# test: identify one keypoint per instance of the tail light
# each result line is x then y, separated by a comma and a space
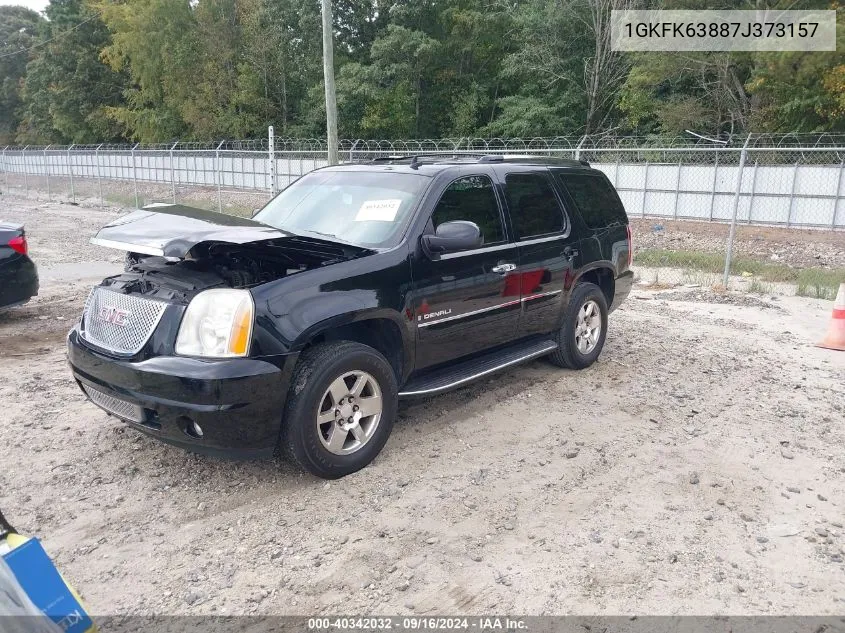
630, 246
19, 244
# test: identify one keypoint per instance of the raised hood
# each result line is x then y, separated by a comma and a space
172, 230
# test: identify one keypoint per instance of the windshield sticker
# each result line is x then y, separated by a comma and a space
378, 210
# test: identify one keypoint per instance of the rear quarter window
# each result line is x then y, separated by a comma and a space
595, 197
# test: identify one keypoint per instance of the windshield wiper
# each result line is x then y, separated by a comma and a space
331, 237
326, 235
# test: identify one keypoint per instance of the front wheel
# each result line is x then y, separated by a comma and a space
340, 410
581, 338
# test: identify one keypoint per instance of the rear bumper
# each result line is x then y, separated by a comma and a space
18, 282
237, 403
622, 288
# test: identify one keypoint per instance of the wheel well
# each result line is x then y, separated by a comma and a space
380, 334
603, 278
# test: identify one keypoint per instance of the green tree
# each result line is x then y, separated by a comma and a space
669, 93
19, 29
800, 92
281, 63
151, 42
68, 90
562, 77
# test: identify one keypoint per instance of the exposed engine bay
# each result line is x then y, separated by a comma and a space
224, 265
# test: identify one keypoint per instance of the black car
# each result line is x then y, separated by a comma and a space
299, 330
18, 275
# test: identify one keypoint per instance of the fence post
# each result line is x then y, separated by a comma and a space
47, 172
677, 190
173, 173
5, 168
713, 189
217, 176
355, 144
732, 233
70, 171
792, 193
25, 170
645, 187
836, 199
135, 175
271, 157
753, 190
616, 173
99, 178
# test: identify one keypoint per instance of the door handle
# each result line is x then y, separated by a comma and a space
503, 268
570, 253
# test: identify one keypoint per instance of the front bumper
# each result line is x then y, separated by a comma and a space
237, 403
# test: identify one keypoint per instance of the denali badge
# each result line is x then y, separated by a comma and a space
439, 313
113, 315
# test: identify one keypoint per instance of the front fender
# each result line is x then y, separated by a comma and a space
291, 312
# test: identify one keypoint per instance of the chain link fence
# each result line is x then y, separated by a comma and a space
787, 195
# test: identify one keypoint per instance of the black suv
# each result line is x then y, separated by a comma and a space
357, 285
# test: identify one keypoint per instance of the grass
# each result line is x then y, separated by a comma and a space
819, 283
759, 287
811, 282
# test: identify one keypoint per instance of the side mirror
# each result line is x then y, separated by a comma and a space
450, 237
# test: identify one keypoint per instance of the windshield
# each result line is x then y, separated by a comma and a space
364, 208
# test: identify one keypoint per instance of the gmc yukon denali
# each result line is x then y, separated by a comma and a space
298, 330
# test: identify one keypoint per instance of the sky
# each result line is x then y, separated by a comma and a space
35, 5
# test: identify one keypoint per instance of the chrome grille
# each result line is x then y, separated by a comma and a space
116, 406
120, 323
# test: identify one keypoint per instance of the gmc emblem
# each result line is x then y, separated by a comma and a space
113, 315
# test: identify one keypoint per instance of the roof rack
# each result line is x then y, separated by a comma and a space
415, 158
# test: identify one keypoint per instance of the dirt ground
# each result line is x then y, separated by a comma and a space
797, 248
697, 468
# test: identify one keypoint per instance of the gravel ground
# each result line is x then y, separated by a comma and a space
799, 248
697, 468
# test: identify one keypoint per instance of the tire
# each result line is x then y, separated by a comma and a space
314, 446
568, 354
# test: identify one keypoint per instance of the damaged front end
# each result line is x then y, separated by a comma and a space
177, 251
168, 345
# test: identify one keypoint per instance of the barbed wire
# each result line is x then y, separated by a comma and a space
568, 144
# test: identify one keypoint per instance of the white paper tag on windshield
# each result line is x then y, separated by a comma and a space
378, 210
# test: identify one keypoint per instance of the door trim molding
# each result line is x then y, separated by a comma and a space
469, 314
538, 295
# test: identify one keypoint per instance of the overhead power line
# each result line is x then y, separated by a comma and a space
52, 39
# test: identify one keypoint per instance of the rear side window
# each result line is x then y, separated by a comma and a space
471, 198
533, 205
595, 198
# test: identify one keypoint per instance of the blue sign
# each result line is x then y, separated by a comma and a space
45, 587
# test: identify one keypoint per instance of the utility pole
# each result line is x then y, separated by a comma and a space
328, 77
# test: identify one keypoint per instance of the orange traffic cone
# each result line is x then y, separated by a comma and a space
835, 338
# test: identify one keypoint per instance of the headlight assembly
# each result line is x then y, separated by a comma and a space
217, 323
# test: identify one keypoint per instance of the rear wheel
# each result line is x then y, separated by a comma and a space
340, 410
581, 338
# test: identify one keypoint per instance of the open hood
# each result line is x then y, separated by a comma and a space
172, 230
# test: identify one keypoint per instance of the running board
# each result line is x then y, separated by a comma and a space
456, 375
